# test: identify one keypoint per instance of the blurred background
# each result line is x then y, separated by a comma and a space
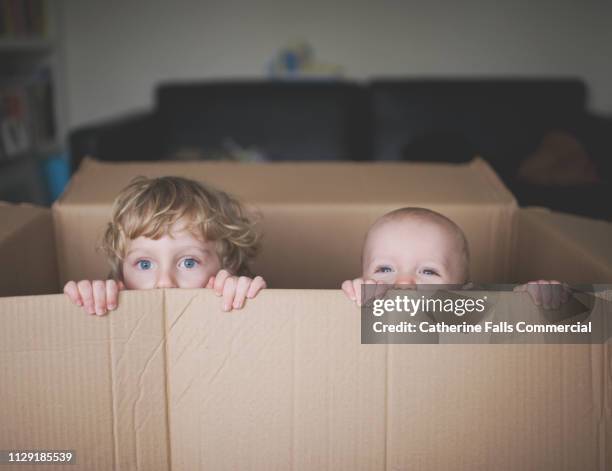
527, 85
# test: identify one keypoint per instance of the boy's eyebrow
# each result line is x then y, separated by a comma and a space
195, 247
189, 247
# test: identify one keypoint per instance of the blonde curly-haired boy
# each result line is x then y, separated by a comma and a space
172, 232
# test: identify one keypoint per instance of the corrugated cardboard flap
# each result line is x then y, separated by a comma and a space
27, 251
305, 183
546, 239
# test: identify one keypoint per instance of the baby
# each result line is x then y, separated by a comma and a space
171, 232
415, 246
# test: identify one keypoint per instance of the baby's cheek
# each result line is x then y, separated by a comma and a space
388, 278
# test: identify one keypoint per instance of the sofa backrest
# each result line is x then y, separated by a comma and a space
454, 119
305, 120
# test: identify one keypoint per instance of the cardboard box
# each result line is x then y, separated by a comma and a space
547, 238
170, 382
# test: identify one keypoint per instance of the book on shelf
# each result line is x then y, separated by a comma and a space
27, 122
22, 18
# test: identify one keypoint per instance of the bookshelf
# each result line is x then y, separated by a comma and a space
31, 124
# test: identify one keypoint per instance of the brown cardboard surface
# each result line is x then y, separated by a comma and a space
168, 381
95, 385
564, 247
315, 215
27, 251
283, 183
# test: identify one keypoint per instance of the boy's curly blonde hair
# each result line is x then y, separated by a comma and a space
149, 207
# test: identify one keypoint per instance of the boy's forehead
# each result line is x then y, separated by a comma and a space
176, 240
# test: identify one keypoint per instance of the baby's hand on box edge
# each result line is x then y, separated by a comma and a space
547, 294
235, 289
352, 289
96, 297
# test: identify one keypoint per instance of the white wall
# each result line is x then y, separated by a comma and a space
117, 50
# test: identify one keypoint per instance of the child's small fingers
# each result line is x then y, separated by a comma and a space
256, 286
229, 290
349, 290
220, 279
86, 292
534, 291
72, 292
565, 294
242, 287
99, 295
381, 289
557, 293
211, 282
112, 290
368, 291
546, 292
358, 289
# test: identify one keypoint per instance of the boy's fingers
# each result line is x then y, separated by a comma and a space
257, 285
211, 282
99, 295
112, 289
229, 289
242, 286
220, 281
120, 285
72, 292
85, 290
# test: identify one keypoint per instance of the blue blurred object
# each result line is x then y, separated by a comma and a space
56, 169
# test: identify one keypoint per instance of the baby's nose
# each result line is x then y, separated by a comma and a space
405, 279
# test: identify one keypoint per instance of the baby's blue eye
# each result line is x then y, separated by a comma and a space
189, 263
383, 269
429, 272
144, 264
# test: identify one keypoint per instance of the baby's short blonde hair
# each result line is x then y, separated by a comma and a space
149, 207
436, 218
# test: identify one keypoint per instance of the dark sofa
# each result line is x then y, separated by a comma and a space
429, 120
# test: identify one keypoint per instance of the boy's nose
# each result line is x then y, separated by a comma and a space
166, 280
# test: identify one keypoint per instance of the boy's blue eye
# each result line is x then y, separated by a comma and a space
189, 263
383, 269
144, 264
